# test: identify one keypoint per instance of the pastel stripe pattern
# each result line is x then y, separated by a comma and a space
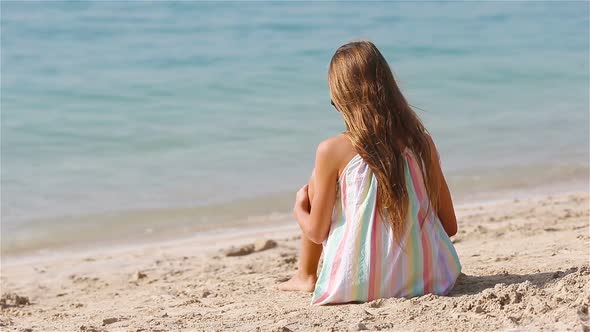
362, 260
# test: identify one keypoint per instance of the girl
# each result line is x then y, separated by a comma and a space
377, 202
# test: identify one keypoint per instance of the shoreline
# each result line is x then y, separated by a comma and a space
210, 240
525, 266
253, 225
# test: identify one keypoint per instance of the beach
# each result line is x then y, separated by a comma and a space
525, 268
151, 151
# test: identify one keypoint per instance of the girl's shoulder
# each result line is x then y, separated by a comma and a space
338, 149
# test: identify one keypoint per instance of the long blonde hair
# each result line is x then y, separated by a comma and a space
381, 124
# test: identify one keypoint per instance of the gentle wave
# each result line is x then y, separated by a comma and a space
161, 107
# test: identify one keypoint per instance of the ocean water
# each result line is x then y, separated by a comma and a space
140, 120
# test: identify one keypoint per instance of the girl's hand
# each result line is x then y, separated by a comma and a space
302, 200
315, 220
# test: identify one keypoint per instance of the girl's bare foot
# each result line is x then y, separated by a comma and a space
299, 283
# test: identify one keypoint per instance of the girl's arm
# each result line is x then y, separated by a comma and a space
315, 222
446, 211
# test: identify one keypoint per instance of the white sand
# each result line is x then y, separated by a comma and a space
525, 265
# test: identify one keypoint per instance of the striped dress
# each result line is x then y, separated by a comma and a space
363, 261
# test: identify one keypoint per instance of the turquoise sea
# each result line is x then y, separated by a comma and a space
137, 120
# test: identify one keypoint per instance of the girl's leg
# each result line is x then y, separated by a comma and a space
309, 258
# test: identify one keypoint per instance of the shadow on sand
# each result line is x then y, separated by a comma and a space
468, 284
